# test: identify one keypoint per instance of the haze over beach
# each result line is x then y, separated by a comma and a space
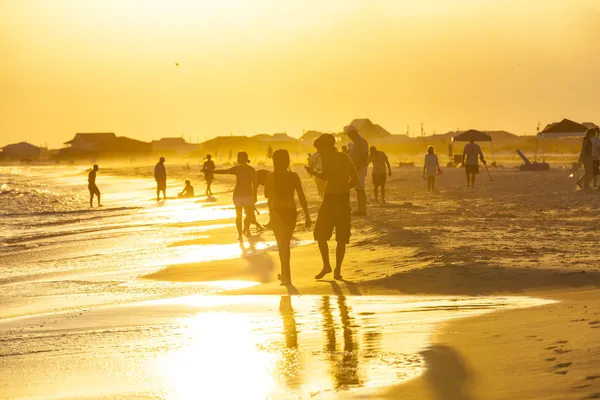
257, 199
256, 66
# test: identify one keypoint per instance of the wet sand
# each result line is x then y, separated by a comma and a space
521, 235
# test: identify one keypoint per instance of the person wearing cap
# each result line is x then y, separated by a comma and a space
471, 153
340, 176
160, 176
359, 153
92, 185
244, 192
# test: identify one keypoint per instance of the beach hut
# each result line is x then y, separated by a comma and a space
563, 129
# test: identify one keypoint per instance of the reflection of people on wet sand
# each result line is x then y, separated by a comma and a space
160, 176
92, 185
340, 176
188, 190
244, 192
471, 153
281, 185
208, 167
291, 367
344, 372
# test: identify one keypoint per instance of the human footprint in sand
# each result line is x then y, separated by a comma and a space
340, 176
244, 192
280, 187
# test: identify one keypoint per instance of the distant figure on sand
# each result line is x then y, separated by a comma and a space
317, 165
471, 155
208, 167
188, 190
92, 185
244, 192
380, 161
359, 153
586, 157
340, 176
270, 152
431, 168
160, 176
280, 187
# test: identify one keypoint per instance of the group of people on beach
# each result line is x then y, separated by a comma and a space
336, 173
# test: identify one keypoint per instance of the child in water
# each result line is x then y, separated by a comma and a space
431, 168
188, 190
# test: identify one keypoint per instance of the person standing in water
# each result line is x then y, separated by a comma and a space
471, 155
380, 161
431, 168
208, 168
340, 176
244, 192
280, 187
160, 176
92, 185
359, 153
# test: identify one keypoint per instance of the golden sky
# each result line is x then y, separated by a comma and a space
265, 66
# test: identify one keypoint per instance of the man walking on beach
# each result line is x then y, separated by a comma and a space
359, 153
92, 185
208, 168
380, 161
160, 176
340, 176
471, 155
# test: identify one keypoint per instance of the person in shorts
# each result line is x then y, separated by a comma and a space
379, 160
431, 168
281, 186
160, 176
244, 192
208, 167
471, 155
94, 191
340, 176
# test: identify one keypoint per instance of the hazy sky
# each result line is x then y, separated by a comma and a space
265, 66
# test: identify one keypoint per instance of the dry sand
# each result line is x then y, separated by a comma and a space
522, 233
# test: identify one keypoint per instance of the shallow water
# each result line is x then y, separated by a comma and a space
225, 347
76, 322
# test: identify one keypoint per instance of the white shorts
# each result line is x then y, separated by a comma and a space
362, 177
243, 201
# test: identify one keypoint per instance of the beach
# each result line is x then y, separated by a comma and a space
484, 293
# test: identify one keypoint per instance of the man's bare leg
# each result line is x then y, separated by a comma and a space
376, 190
99, 205
340, 252
91, 200
324, 249
238, 222
383, 193
468, 180
473, 180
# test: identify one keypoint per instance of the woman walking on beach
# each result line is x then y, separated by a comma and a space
431, 168
280, 187
244, 192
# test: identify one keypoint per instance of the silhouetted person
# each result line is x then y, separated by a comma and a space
471, 155
586, 157
316, 164
160, 176
281, 186
595, 156
270, 152
431, 168
92, 185
244, 192
340, 176
378, 175
359, 153
188, 190
208, 168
